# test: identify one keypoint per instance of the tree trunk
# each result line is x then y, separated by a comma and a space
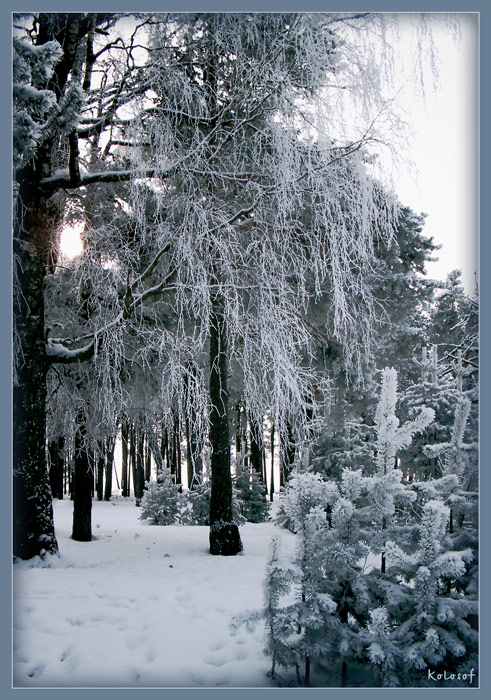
287, 456
100, 471
56, 466
148, 459
193, 453
164, 448
33, 527
238, 424
83, 480
124, 459
108, 486
132, 437
177, 449
224, 533
271, 486
139, 474
256, 446
344, 674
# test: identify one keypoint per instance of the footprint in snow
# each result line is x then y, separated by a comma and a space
217, 645
150, 656
135, 676
37, 671
217, 660
134, 642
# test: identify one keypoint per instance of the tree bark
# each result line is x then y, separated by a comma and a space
108, 484
287, 456
271, 484
256, 447
132, 437
33, 527
56, 467
139, 474
224, 533
124, 459
148, 459
83, 481
100, 471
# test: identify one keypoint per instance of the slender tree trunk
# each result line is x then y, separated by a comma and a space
256, 447
164, 444
139, 474
271, 484
100, 471
177, 449
83, 481
224, 533
132, 437
56, 466
344, 674
307, 672
124, 459
108, 485
148, 459
287, 456
238, 428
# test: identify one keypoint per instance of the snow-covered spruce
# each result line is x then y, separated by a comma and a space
160, 502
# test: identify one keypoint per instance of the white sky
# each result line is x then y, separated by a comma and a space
444, 149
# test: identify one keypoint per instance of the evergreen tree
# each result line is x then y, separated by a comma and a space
251, 492
431, 628
160, 502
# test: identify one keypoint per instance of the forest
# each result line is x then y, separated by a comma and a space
245, 358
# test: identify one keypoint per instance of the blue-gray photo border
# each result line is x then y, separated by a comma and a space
481, 7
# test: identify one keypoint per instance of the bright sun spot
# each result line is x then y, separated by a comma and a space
71, 242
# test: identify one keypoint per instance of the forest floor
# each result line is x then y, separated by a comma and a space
140, 606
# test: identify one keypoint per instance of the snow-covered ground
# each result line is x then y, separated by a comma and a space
140, 606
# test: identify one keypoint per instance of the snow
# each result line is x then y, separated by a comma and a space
140, 606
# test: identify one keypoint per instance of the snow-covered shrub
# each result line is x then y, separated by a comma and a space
160, 502
386, 488
195, 505
430, 613
251, 496
304, 491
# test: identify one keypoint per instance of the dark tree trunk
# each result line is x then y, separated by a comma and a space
193, 453
83, 481
100, 471
344, 674
287, 456
177, 448
139, 474
238, 428
33, 528
56, 466
224, 533
164, 447
148, 459
124, 459
132, 438
271, 483
108, 485
256, 447
171, 455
